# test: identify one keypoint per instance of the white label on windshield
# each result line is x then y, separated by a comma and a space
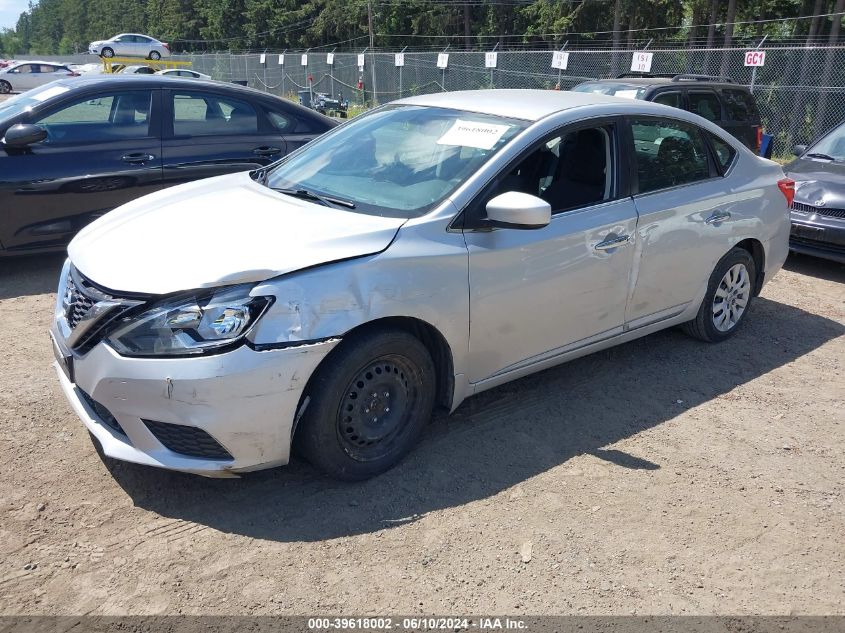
626, 94
472, 134
50, 92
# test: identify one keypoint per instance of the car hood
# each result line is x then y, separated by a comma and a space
220, 231
817, 181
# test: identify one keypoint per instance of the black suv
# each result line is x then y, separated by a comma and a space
718, 99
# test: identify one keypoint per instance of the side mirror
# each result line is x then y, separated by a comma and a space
517, 210
798, 150
23, 135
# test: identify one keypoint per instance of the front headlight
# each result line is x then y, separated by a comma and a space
190, 325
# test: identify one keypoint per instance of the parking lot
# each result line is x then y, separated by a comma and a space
663, 476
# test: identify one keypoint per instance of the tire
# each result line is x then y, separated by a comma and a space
107, 52
5, 87
728, 298
155, 55
365, 376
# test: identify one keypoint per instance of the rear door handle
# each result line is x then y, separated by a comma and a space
717, 216
613, 242
266, 151
138, 157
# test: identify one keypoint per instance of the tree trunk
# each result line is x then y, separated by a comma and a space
467, 26
815, 23
617, 25
820, 116
729, 26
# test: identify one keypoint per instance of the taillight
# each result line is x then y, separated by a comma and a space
166, 45
787, 188
759, 129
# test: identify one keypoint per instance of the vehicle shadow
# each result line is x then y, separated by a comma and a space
30, 274
816, 267
497, 439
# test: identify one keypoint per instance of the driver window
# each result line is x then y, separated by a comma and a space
569, 171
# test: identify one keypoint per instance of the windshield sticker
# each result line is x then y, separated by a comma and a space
50, 92
473, 134
626, 94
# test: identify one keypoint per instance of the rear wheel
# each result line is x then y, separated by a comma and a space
727, 300
5, 87
155, 55
369, 404
107, 52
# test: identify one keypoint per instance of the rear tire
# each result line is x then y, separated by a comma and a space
155, 55
727, 300
5, 87
369, 403
107, 52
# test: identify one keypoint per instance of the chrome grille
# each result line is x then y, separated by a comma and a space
808, 208
77, 303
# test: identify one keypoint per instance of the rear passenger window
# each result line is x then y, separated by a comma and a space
198, 114
723, 152
669, 153
739, 105
669, 98
705, 104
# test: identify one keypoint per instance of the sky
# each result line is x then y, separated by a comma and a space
10, 10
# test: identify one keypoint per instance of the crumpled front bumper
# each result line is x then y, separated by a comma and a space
244, 399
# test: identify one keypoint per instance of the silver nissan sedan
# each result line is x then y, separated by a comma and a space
419, 254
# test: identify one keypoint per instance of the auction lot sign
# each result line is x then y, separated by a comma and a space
755, 58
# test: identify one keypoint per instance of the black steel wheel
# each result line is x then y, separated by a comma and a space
370, 400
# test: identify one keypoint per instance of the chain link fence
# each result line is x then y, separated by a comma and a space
800, 90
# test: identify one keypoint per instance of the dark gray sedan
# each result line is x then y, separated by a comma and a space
818, 211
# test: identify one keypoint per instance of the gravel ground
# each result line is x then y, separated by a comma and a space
664, 476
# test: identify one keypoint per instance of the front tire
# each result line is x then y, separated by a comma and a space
5, 87
155, 55
107, 52
369, 403
728, 298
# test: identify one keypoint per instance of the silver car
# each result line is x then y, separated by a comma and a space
417, 255
22, 76
130, 45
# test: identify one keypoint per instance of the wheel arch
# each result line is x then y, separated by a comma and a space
758, 254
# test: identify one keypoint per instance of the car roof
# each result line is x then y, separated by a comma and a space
529, 105
19, 62
664, 81
155, 81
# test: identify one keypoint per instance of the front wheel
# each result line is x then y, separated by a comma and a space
107, 52
155, 55
5, 87
728, 298
369, 403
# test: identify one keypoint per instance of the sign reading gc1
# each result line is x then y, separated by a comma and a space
755, 58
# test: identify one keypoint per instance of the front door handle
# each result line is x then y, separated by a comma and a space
138, 157
266, 151
717, 216
612, 242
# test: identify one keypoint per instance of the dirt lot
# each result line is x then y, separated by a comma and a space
664, 476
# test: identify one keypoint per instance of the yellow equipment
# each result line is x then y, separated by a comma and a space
116, 64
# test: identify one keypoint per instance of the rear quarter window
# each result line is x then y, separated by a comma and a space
739, 105
723, 152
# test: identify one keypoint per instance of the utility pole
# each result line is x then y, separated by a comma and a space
372, 48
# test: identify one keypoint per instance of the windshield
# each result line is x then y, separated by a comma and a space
398, 161
30, 98
832, 145
629, 91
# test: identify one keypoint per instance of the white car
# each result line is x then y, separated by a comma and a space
183, 72
130, 45
419, 254
22, 76
137, 70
